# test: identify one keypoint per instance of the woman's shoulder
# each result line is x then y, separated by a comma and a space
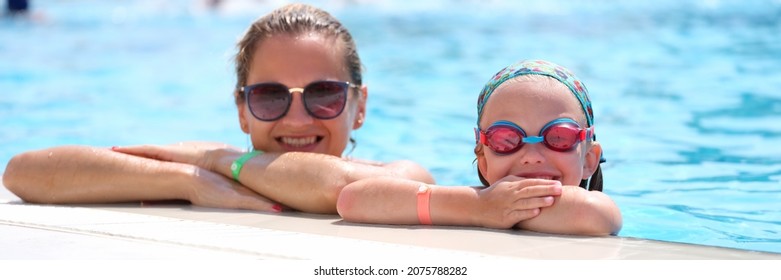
365, 161
411, 170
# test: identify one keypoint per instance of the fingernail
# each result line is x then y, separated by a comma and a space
276, 208
548, 200
114, 148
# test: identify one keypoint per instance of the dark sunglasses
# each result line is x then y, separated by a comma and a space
561, 135
322, 99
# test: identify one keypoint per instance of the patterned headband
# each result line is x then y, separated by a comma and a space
537, 67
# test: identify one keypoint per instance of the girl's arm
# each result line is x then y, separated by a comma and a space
578, 211
80, 174
526, 203
388, 200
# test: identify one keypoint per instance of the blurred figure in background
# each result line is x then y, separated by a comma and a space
17, 7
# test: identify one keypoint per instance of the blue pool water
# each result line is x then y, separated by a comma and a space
686, 93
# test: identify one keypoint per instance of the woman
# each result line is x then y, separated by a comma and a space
299, 94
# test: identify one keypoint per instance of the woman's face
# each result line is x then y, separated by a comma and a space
531, 105
296, 61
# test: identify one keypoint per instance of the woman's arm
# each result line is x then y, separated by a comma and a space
307, 182
80, 174
387, 200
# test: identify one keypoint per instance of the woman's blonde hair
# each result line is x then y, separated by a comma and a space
294, 19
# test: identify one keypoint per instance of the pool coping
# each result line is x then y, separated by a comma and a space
183, 231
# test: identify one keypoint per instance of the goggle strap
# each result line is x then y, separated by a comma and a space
586, 133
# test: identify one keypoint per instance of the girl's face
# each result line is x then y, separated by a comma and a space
531, 105
296, 61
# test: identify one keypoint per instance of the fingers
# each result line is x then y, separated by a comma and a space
250, 200
526, 209
260, 204
541, 190
523, 182
533, 203
522, 199
512, 218
536, 197
210, 189
147, 151
530, 201
518, 216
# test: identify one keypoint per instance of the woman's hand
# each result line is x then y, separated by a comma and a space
514, 199
205, 187
209, 189
194, 153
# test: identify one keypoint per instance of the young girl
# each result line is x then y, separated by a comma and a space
299, 95
535, 150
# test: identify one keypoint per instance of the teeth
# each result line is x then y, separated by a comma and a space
298, 142
542, 177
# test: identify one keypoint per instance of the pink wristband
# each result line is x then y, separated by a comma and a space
424, 196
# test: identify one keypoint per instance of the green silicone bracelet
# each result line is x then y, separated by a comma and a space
239, 163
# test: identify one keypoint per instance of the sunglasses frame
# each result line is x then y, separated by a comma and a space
584, 134
248, 89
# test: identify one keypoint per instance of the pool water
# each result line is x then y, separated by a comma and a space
686, 93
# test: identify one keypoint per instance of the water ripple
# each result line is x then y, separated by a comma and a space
707, 214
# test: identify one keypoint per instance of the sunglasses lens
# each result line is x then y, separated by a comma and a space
325, 100
504, 139
268, 102
561, 137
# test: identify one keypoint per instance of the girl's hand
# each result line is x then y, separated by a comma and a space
514, 199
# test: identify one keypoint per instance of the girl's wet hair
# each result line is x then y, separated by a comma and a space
294, 19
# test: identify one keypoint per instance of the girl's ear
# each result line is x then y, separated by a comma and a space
591, 161
482, 164
361, 113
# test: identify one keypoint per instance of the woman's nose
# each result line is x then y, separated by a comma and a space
297, 115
